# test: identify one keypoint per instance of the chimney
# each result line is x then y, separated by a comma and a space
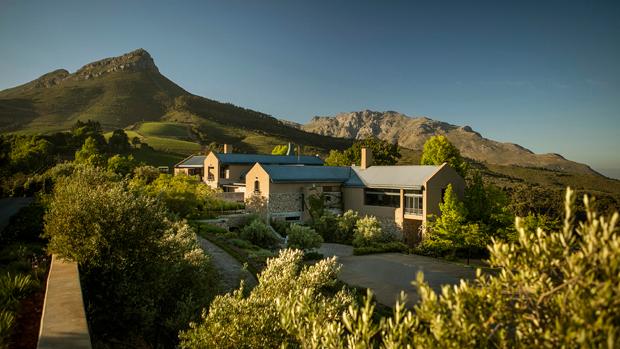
228, 149
366, 157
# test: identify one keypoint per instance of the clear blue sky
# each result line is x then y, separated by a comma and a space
544, 74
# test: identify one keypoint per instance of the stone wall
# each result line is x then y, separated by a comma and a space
285, 202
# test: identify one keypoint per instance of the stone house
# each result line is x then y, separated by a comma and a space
401, 197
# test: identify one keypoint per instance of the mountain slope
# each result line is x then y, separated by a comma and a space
413, 132
125, 90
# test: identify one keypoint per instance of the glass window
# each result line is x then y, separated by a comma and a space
382, 197
414, 203
256, 186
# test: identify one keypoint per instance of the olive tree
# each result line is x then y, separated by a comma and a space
143, 274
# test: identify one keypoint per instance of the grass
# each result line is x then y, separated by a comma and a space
165, 130
164, 144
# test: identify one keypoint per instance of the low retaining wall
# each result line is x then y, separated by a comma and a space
63, 323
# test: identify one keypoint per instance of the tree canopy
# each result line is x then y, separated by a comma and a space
438, 150
383, 153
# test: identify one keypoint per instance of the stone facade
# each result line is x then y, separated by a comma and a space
285, 202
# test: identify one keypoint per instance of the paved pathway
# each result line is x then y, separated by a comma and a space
9, 207
386, 274
230, 269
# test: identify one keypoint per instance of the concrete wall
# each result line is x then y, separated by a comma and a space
212, 161
63, 322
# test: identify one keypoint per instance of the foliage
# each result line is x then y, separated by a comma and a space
487, 206
303, 238
280, 149
145, 174
280, 226
554, 290
118, 143
143, 274
185, 195
381, 247
450, 231
121, 165
30, 154
259, 234
316, 206
90, 154
368, 231
345, 228
438, 150
26, 225
383, 153
256, 320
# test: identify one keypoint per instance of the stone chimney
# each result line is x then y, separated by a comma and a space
366, 158
228, 149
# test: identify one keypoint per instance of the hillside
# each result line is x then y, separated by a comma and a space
412, 132
123, 91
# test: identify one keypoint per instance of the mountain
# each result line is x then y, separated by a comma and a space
123, 91
412, 132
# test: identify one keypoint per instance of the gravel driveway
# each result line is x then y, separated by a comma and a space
229, 268
386, 274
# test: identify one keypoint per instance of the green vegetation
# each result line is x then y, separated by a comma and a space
383, 153
279, 150
303, 238
143, 274
23, 264
370, 237
257, 318
438, 150
259, 234
553, 289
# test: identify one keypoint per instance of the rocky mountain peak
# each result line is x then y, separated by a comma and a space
137, 60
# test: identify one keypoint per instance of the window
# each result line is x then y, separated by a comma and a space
414, 202
210, 176
256, 186
382, 197
224, 172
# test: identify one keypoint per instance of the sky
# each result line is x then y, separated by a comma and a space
542, 74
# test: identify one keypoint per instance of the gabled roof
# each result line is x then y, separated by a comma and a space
192, 161
406, 177
238, 158
291, 173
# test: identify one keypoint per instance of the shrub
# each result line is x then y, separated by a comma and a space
555, 289
259, 234
26, 225
280, 226
368, 231
303, 238
142, 273
346, 227
255, 321
381, 247
325, 226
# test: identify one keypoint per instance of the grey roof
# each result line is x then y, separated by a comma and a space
237, 158
292, 173
406, 177
192, 161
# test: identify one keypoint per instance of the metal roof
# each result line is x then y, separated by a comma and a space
291, 173
406, 177
192, 161
238, 158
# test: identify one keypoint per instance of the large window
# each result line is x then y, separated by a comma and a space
382, 197
414, 203
224, 172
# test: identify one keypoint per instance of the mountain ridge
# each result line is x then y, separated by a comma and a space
412, 132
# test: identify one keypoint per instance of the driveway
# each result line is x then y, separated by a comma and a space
229, 268
9, 207
387, 274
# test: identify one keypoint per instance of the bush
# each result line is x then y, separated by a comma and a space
346, 227
143, 274
368, 231
259, 234
381, 247
303, 238
325, 226
255, 321
210, 229
26, 225
555, 289
280, 226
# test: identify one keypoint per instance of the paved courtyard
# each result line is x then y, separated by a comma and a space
386, 274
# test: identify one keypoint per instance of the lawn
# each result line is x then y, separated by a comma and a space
164, 129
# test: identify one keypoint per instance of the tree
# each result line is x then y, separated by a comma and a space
119, 142
554, 289
83, 130
438, 150
254, 319
122, 165
29, 154
90, 154
135, 141
487, 205
142, 273
384, 153
280, 150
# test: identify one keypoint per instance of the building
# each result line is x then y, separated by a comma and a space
227, 170
401, 197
